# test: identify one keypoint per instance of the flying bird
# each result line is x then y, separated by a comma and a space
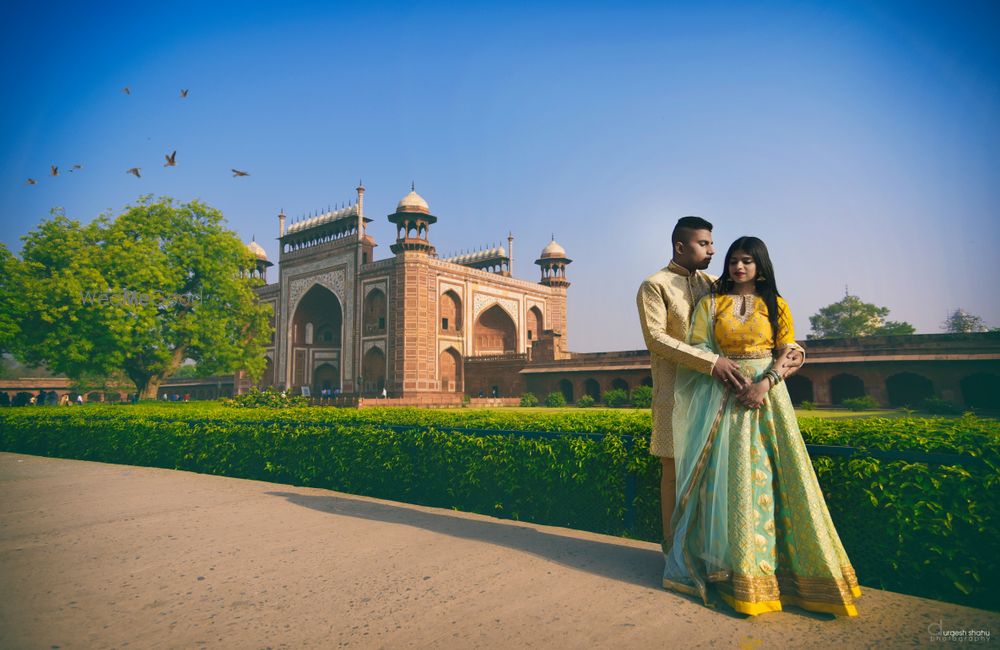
126, 90
184, 92
134, 170
32, 181
170, 160
237, 172
55, 171
75, 167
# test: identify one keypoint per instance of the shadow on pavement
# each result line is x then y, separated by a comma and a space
639, 566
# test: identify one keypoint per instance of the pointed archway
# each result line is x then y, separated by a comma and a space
316, 333
373, 371
495, 332
450, 370
326, 376
535, 324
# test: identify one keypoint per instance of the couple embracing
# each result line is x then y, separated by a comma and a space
743, 513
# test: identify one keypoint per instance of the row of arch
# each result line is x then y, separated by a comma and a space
979, 390
326, 375
495, 331
314, 241
318, 321
592, 387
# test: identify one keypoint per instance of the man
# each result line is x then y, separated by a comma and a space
666, 300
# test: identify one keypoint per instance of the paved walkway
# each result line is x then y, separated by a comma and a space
111, 556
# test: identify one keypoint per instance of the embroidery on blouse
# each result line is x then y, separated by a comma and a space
741, 310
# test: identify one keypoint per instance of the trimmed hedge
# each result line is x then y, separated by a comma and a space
924, 529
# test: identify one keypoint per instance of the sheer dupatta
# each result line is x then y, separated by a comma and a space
700, 549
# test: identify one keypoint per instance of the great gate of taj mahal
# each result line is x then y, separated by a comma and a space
345, 322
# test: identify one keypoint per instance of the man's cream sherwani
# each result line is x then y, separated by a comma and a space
666, 300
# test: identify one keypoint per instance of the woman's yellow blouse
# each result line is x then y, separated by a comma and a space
746, 334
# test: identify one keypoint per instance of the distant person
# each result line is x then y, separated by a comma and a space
79, 400
385, 393
750, 518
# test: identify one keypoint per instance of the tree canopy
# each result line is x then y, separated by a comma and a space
961, 321
9, 299
852, 317
139, 293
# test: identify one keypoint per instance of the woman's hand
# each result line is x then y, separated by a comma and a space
789, 360
753, 396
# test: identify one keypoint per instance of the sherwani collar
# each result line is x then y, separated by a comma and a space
678, 269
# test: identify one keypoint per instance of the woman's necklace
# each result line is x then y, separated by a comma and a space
743, 306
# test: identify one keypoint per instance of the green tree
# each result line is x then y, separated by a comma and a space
10, 298
852, 317
961, 321
140, 293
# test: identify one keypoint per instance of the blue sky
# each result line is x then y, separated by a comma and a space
861, 141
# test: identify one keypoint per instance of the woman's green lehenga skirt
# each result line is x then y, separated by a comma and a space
750, 516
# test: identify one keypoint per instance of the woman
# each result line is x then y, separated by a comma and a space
750, 516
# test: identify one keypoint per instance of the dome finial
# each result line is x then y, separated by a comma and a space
413, 186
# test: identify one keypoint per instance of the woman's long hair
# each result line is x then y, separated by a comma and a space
765, 284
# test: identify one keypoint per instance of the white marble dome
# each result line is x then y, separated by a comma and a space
413, 202
553, 250
257, 250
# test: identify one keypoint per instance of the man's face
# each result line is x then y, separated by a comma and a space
698, 251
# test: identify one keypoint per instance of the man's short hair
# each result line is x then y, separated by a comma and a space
684, 227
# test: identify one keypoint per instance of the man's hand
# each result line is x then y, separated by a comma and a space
753, 397
728, 372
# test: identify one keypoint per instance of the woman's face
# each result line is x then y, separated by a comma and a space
742, 268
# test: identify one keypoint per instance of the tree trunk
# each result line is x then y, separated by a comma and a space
150, 391
147, 388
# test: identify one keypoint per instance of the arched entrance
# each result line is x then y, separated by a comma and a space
619, 384
495, 332
593, 388
317, 326
566, 388
981, 390
800, 389
846, 386
450, 369
908, 389
373, 371
325, 377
